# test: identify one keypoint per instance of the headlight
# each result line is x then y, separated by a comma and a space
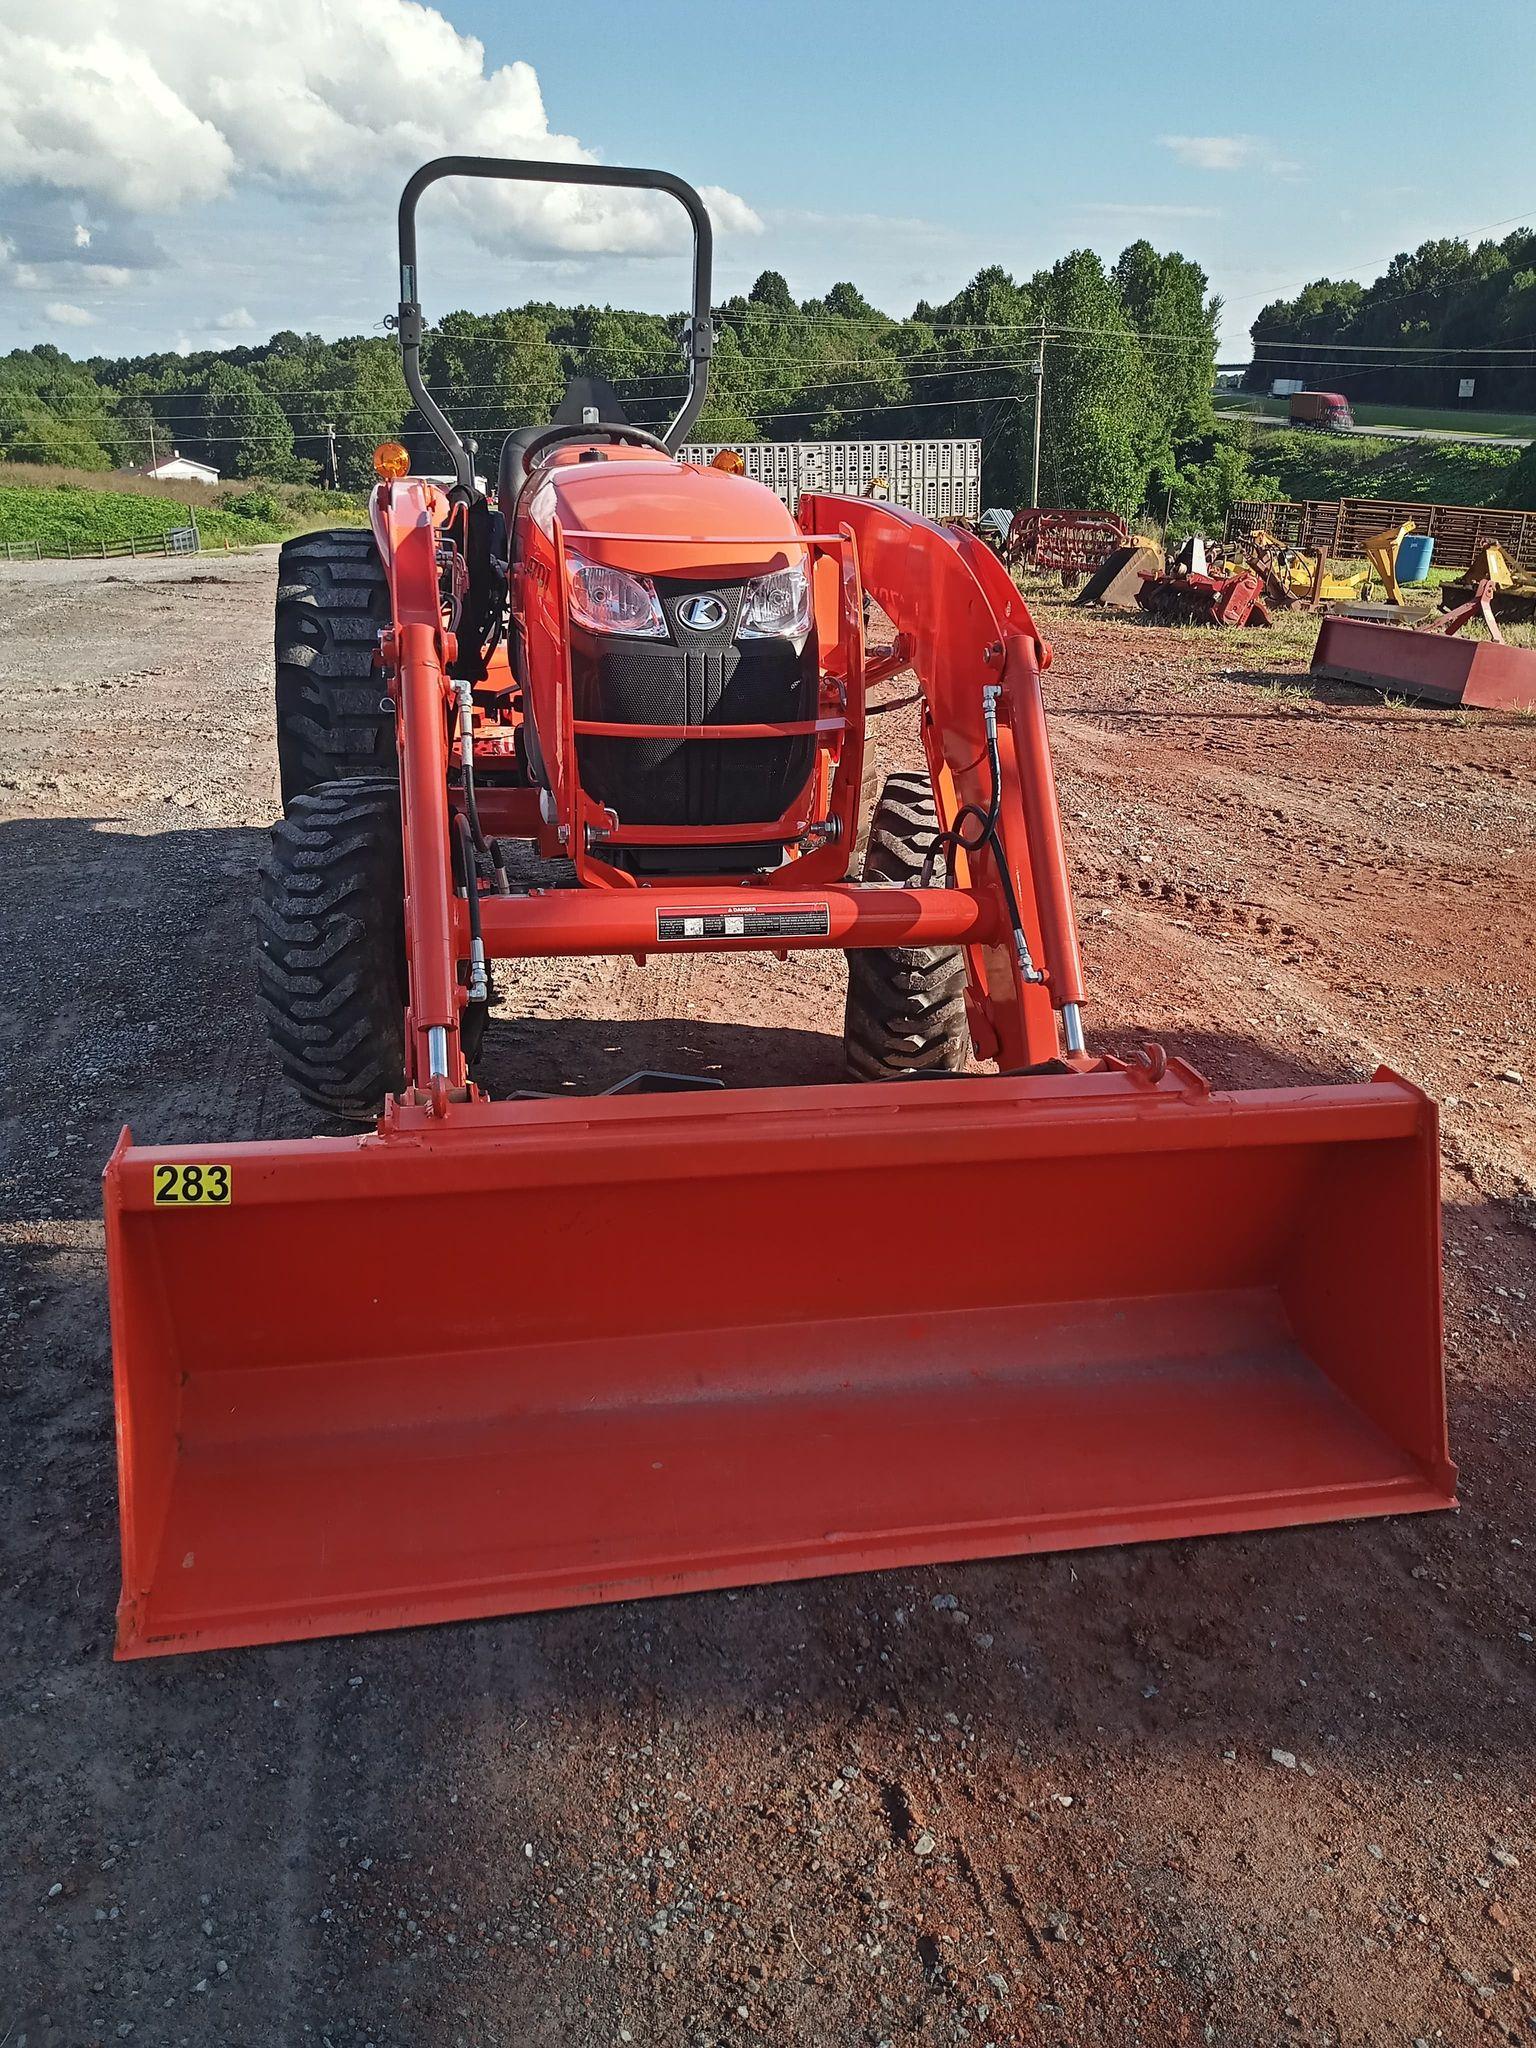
778, 606
612, 601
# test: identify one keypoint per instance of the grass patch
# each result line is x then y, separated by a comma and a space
1356, 466
59, 509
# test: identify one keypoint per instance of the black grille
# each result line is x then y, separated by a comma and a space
693, 678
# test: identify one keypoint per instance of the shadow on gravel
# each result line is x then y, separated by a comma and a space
583, 1056
1229, 1059
1367, 707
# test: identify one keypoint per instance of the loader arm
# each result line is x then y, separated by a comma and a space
966, 629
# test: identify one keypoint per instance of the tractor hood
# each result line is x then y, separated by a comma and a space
637, 511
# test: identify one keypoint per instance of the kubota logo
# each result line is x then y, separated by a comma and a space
702, 614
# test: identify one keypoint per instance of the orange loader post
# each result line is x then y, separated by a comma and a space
478, 1358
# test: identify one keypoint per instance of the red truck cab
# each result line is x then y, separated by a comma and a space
1326, 409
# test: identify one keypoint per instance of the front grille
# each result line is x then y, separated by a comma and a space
693, 678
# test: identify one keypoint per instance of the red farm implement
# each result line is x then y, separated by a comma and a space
1187, 598
480, 1357
1070, 543
1432, 661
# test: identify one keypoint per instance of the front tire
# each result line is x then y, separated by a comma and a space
332, 604
330, 946
906, 1005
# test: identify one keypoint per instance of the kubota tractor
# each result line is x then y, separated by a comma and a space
484, 1357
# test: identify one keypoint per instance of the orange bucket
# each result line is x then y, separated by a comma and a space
539, 1354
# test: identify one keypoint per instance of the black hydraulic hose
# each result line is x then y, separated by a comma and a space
954, 841
467, 767
471, 887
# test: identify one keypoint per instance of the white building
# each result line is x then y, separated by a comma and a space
181, 469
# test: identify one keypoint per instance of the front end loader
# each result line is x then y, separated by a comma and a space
477, 1357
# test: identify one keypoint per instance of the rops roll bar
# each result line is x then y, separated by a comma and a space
697, 343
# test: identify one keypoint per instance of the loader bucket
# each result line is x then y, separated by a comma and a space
1440, 668
541, 1354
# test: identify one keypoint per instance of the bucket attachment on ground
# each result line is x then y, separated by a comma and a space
578, 1351
1432, 661
1117, 580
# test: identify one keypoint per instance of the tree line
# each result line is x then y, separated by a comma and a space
1393, 340
1129, 353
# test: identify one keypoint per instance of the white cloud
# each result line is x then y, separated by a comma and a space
152, 108
63, 314
113, 275
82, 235
236, 321
1227, 153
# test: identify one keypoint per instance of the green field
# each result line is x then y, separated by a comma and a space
1452, 421
59, 515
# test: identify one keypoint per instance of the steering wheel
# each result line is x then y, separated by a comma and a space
610, 430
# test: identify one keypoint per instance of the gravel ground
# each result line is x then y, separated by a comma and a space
1244, 1791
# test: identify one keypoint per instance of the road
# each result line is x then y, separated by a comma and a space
1243, 1791
1382, 433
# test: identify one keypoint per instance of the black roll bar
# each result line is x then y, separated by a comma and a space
697, 343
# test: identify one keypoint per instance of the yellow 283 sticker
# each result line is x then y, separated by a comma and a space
187, 1187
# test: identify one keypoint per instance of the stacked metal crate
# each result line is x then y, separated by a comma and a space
940, 479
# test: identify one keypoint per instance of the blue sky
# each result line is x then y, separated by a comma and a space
200, 172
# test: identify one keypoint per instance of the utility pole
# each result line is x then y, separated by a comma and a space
332, 479
1034, 467
153, 458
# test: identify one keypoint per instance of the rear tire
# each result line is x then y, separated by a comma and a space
332, 604
330, 946
906, 1005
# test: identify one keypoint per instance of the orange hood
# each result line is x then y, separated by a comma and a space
638, 511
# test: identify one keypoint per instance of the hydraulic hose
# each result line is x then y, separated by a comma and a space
954, 840
479, 980
467, 764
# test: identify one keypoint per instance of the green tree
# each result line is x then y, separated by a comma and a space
52, 410
244, 431
355, 388
1166, 301
1196, 495
490, 372
772, 293
133, 434
982, 347
1412, 334
1098, 414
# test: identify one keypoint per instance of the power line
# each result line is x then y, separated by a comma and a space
1399, 348
272, 439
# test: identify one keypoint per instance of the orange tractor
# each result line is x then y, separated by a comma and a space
478, 1357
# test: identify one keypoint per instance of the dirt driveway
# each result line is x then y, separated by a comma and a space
1258, 1790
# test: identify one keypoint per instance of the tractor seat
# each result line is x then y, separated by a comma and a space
512, 472
585, 397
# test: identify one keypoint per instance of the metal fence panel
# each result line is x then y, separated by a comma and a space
1343, 525
180, 540
941, 479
